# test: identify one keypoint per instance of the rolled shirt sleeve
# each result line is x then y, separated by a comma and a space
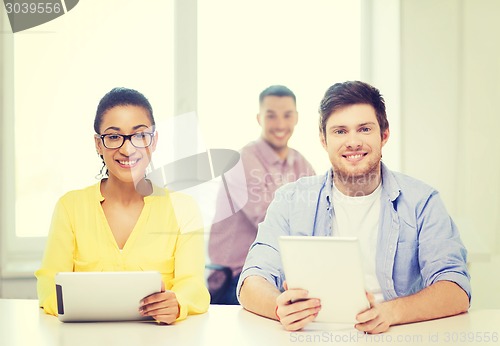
441, 253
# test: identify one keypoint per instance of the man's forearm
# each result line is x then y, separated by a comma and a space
441, 299
259, 296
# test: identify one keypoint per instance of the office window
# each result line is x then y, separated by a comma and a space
58, 73
245, 46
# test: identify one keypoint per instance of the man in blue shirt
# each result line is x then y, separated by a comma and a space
414, 260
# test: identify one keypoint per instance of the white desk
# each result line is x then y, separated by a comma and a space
22, 323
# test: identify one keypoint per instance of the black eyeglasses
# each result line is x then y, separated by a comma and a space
139, 140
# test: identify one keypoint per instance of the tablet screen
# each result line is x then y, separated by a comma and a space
330, 268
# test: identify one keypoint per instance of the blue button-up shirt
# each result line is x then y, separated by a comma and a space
418, 242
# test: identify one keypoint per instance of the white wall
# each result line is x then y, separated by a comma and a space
480, 165
450, 80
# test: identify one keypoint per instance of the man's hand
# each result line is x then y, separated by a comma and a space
162, 306
377, 319
295, 309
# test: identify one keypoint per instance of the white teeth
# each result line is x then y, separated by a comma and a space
354, 156
128, 163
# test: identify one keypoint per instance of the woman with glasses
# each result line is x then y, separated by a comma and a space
124, 222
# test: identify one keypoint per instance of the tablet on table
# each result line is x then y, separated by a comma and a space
104, 296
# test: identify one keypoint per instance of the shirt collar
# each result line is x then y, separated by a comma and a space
157, 191
99, 195
271, 157
389, 184
328, 186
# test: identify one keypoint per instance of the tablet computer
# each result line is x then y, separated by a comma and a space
103, 296
330, 268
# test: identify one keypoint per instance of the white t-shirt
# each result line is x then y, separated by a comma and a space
359, 217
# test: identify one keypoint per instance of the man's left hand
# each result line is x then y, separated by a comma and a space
377, 319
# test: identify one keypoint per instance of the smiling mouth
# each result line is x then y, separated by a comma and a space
354, 157
280, 134
127, 163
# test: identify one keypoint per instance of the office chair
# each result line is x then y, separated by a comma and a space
218, 281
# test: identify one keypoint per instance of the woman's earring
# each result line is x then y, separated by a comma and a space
101, 172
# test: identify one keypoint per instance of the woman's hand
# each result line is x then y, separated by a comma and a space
162, 306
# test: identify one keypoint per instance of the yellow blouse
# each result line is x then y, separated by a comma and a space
168, 238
